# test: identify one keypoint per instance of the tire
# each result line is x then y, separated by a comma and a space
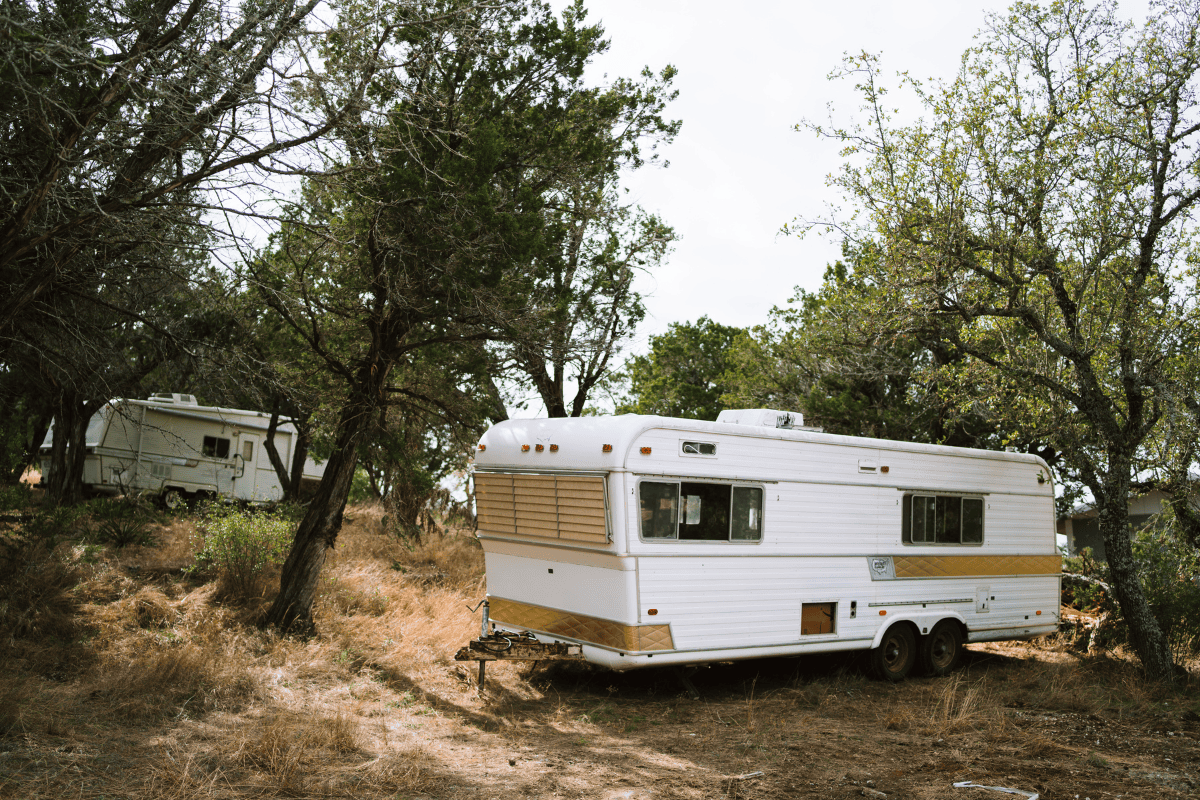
173, 500
896, 654
941, 650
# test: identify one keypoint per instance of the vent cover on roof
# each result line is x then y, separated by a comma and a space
176, 399
763, 417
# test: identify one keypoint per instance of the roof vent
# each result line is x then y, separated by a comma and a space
763, 417
174, 399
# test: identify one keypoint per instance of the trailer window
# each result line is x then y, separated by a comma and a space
658, 510
709, 512
215, 447
747, 514
699, 448
942, 519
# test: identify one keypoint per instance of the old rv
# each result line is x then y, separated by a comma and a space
171, 446
649, 540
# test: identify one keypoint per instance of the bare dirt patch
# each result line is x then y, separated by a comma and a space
164, 691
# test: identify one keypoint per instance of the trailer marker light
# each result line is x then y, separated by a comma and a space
883, 470
524, 448
607, 448
645, 451
482, 447
539, 448
553, 448
1039, 613
883, 612
652, 612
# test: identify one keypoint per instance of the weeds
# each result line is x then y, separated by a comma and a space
240, 547
121, 522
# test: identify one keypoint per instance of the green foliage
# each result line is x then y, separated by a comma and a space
121, 521
15, 497
240, 546
845, 370
360, 487
684, 374
53, 523
1169, 570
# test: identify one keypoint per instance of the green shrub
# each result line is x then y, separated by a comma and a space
1169, 569
15, 497
121, 522
239, 547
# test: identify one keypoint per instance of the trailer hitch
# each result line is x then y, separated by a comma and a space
507, 646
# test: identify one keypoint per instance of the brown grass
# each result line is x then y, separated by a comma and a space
166, 690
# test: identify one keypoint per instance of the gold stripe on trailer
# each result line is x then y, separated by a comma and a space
975, 566
604, 632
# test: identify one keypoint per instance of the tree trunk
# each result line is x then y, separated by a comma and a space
299, 456
318, 531
65, 484
285, 480
1144, 632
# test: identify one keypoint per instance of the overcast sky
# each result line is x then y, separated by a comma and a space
748, 72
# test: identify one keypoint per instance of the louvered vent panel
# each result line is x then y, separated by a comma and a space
537, 512
545, 506
494, 499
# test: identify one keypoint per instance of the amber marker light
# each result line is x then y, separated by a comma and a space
883, 470
524, 448
539, 448
553, 448
652, 612
607, 448
482, 447
1039, 613
645, 451
883, 612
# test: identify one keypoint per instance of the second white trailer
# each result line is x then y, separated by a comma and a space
170, 445
650, 540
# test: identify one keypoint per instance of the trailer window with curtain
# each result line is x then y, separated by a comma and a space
694, 511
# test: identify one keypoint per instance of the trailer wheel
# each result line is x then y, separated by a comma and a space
941, 650
173, 500
896, 654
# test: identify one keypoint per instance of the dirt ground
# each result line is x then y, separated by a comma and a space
177, 695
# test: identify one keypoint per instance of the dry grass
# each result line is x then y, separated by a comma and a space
173, 692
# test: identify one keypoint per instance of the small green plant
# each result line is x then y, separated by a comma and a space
50, 524
239, 547
15, 498
121, 522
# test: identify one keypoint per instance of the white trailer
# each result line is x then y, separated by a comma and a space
171, 446
648, 540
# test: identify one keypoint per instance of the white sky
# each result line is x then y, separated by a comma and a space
738, 171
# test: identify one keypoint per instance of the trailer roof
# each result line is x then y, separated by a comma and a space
580, 442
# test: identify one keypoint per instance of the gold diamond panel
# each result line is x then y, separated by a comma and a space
632, 638
975, 566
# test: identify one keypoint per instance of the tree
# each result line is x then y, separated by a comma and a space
684, 374
114, 112
128, 128
422, 230
1046, 205
584, 306
851, 374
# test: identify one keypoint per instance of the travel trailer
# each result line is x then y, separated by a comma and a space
171, 446
645, 540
